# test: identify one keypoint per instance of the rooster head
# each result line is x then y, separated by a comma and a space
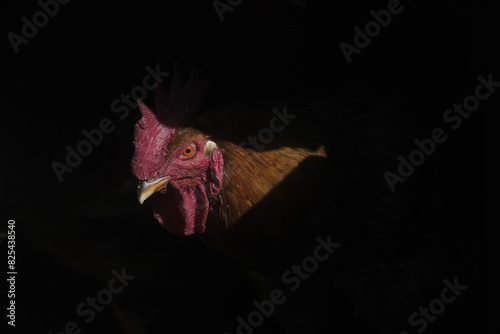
179, 168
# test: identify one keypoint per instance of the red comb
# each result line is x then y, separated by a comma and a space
155, 128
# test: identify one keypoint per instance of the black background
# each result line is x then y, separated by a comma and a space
71, 234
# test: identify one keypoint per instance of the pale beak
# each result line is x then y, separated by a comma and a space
146, 189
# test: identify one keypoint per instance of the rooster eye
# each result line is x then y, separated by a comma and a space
189, 151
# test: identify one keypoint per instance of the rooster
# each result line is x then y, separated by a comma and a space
319, 173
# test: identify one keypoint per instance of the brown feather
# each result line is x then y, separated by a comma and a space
273, 202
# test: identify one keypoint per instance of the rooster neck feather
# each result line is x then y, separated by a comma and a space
250, 175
